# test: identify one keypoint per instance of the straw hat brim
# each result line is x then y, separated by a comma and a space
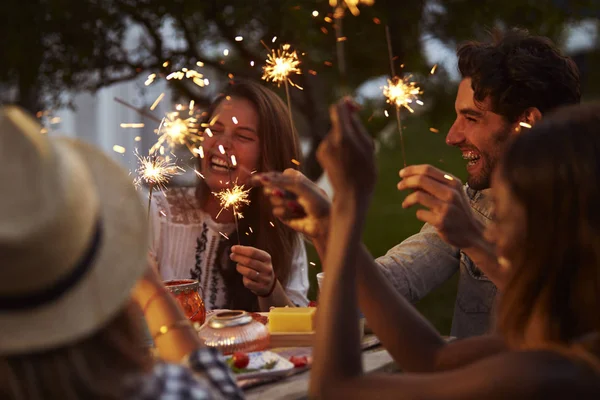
106, 287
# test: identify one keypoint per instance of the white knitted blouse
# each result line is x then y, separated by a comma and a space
186, 241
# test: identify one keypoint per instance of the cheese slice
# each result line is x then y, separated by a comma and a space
288, 319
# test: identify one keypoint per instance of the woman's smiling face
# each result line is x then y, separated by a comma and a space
231, 144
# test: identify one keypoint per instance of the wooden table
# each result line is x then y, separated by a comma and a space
296, 386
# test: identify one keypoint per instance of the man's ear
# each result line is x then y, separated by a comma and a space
528, 119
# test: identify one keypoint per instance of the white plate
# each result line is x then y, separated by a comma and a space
261, 358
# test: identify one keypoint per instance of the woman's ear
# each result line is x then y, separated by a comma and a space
530, 117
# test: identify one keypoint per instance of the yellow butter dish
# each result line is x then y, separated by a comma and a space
288, 319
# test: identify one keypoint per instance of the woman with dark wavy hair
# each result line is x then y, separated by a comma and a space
195, 238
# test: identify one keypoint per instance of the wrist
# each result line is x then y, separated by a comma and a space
270, 292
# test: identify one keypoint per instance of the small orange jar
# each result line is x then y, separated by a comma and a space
186, 293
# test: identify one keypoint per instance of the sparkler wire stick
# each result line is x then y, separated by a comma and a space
150, 189
237, 226
289, 104
338, 15
138, 110
393, 71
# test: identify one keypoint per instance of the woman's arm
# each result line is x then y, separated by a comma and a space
162, 313
515, 376
347, 156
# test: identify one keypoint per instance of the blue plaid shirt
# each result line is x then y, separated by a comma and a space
202, 375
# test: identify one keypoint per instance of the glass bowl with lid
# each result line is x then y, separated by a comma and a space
236, 330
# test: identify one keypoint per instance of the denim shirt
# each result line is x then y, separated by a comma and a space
424, 261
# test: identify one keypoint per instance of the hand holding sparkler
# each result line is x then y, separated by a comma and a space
297, 201
256, 268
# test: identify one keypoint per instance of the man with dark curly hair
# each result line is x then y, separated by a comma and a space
507, 85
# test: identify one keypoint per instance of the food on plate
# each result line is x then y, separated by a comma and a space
263, 319
299, 361
239, 362
287, 319
240, 359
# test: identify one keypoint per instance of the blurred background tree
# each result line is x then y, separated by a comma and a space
50, 49
49, 46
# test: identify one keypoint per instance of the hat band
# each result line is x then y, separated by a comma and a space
51, 293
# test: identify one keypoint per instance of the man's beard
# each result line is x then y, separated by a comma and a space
483, 178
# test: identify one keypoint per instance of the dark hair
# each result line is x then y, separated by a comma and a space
553, 171
519, 71
278, 147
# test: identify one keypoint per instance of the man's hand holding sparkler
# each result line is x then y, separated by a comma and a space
256, 268
447, 205
449, 211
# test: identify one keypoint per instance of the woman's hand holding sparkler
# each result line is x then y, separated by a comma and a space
256, 268
297, 201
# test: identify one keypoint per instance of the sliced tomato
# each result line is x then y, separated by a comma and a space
240, 359
299, 361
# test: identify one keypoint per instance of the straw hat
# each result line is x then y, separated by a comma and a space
73, 237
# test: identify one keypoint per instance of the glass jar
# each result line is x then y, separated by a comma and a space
186, 293
231, 331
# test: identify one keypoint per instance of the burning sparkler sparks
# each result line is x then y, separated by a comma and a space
176, 131
233, 197
155, 171
352, 5
402, 92
281, 64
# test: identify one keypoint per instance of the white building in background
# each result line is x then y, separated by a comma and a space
97, 118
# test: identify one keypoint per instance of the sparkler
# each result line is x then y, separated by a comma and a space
155, 171
233, 197
281, 64
174, 131
338, 14
352, 5
400, 92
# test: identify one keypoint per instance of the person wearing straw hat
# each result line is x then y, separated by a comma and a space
75, 277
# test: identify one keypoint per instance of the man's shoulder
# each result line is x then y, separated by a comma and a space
480, 201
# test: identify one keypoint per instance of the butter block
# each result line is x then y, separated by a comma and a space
288, 319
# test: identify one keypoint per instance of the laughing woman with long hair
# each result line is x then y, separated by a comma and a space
194, 238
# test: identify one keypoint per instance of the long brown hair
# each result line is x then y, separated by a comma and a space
553, 170
95, 367
278, 147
